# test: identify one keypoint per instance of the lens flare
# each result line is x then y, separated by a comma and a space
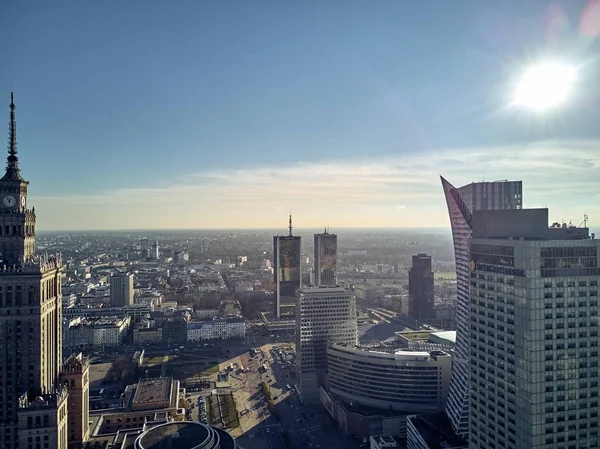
545, 86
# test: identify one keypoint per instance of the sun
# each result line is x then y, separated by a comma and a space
545, 86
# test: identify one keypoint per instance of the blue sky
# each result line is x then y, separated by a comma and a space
215, 113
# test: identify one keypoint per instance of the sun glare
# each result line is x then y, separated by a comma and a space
545, 86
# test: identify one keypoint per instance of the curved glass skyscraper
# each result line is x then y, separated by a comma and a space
457, 406
475, 196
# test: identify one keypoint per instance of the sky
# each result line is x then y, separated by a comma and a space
212, 114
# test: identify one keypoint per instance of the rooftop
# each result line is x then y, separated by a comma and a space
184, 435
446, 335
153, 391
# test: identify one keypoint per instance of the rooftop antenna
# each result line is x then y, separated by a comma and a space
290, 225
585, 220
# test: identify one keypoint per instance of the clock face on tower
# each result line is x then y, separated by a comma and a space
9, 201
23, 201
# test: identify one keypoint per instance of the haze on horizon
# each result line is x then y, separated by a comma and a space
211, 115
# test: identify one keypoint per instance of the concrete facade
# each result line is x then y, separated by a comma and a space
324, 315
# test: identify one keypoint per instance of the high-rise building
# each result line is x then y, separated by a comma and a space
287, 273
145, 248
534, 333
457, 406
420, 288
325, 259
33, 404
496, 195
324, 315
121, 289
76, 376
155, 250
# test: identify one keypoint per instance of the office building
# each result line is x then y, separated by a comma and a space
421, 304
325, 261
121, 289
155, 250
33, 403
389, 379
461, 221
496, 195
287, 255
534, 333
324, 315
145, 248
76, 376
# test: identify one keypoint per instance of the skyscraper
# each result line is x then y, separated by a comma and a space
324, 315
121, 289
33, 405
461, 221
534, 333
420, 288
325, 259
287, 273
496, 195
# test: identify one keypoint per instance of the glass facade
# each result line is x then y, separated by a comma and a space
460, 221
403, 381
534, 350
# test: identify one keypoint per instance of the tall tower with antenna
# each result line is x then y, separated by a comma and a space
287, 274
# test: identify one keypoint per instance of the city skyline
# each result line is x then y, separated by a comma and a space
206, 116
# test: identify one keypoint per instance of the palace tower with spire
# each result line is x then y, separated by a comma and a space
33, 404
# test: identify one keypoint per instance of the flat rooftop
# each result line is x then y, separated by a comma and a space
446, 335
153, 391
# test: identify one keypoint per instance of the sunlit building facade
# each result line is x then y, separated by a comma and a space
481, 196
534, 333
287, 264
325, 259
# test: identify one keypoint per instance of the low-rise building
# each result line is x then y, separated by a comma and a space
96, 332
143, 335
225, 328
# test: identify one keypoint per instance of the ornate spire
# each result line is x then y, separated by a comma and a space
12, 166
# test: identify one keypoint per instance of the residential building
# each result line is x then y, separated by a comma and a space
97, 332
325, 315
76, 376
287, 275
496, 195
420, 288
325, 259
215, 329
143, 335
33, 403
534, 333
121, 289
461, 222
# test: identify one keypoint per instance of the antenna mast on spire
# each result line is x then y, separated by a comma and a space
12, 143
290, 225
12, 165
